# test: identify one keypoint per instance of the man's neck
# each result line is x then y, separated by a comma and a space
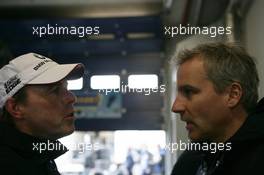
237, 119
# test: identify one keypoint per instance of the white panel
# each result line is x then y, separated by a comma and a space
143, 81
105, 82
75, 84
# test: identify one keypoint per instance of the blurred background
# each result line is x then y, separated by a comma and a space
125, 43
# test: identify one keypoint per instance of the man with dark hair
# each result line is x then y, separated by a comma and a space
217, 87
36, 109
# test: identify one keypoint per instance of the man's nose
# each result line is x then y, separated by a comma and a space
178, 106
70, 98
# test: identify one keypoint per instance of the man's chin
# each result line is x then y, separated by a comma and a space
67, 132
194, 137
70, 131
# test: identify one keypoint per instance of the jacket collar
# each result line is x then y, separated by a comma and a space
29, 147
252, 128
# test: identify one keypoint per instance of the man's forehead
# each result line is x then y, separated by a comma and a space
191, 69
47, 86
192, 74
193, 63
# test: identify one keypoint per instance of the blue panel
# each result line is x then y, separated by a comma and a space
91, 48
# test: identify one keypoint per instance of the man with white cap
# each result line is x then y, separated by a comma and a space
36, 109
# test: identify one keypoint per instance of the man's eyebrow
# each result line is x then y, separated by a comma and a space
188, 87
52, 86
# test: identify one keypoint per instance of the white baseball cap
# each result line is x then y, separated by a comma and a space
33, 68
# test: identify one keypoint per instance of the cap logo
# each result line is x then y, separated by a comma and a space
41, 64
11, 84
39, 56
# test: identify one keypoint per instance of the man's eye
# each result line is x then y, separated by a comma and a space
55, 89
187, 92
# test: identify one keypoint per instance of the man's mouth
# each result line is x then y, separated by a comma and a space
189, 126
69, 116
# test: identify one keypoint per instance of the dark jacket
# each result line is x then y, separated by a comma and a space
20, 153
245, 158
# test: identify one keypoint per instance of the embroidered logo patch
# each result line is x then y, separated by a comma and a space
11, 84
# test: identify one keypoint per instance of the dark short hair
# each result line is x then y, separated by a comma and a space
224, 64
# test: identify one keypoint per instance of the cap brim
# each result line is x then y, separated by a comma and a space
59, 72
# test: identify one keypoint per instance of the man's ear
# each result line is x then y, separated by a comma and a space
13, 108
234, 94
